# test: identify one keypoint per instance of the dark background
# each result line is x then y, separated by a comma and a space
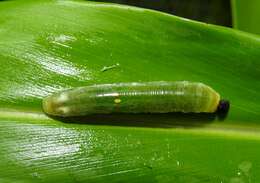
209, 11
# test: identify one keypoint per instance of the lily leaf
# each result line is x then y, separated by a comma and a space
246, 15
48, 46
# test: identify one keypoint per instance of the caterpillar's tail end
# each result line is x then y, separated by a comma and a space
223, 108
47, 106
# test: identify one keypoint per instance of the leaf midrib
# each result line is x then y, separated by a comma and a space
236, 131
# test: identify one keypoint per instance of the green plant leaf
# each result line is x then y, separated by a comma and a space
246, 15
47, 46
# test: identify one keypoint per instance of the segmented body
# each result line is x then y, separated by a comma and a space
146, 97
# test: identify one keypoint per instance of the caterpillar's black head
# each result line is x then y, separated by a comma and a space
223, 108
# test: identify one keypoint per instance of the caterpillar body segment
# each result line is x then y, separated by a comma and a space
145, 97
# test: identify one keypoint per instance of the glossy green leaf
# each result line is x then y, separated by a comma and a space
47, 46
246, 15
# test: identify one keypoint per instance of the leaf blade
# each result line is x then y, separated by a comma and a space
66, 44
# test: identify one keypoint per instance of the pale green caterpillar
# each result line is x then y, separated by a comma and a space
146, 97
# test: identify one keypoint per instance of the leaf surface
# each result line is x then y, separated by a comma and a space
48, 46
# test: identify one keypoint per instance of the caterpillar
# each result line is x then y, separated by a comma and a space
139, 97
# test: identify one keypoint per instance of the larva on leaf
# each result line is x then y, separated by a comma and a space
143, 97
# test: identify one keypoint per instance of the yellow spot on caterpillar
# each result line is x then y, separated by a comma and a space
117, 100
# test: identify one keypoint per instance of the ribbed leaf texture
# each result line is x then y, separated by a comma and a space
48, 46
